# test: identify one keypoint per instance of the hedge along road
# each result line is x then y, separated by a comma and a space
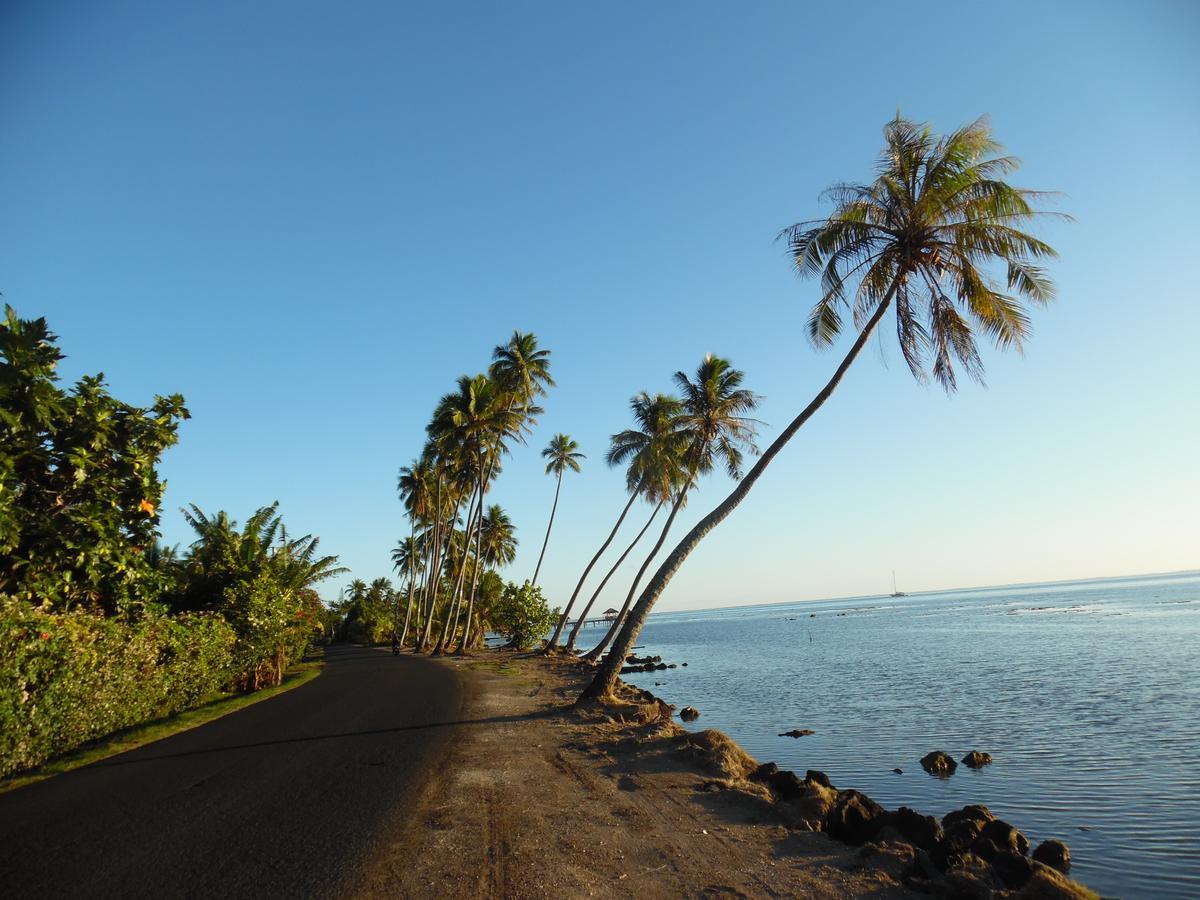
295, 796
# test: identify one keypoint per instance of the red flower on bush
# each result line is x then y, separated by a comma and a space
45, 635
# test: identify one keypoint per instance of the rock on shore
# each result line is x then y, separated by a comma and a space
938, 763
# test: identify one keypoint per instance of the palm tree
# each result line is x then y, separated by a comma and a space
653, 453
919, 238
496, 546
562, 453
477, 418
522, 371
406, 560
713, 428
498, 539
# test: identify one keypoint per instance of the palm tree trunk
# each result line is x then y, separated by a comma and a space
455, 597
435, 577
595, 652
553, 509
562, 620
595, 594
606, 678
462, 648
412, 544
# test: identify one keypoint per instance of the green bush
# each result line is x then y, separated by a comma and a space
522, 615
71, 678
79, 489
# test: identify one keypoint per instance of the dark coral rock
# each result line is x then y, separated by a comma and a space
689, 714
1005, 837
976, 813
1013, 869
763, 772
938, 763
1054, 854
960, 829
916, 829
854, 817
819, 777
977, 760
785, 785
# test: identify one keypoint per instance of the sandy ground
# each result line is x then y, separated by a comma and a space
540, 800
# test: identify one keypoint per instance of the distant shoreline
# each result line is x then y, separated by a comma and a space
1095, 579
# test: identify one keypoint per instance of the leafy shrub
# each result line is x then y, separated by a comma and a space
79, 492
70, 678
522, 615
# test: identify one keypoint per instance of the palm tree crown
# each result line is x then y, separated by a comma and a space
653, 451
713, 417
924, 235
562, 453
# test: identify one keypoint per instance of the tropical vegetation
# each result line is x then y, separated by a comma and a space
102, 627
937, 239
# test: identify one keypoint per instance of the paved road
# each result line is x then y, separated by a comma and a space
290, 797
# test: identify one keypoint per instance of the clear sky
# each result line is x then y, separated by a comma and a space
310, 218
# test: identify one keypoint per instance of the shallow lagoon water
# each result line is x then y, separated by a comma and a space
1087, 694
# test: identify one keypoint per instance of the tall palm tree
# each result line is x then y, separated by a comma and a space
713, 429
561, 453
652, 453
480, 415
522, 371
414, 487
919, 239
498, 538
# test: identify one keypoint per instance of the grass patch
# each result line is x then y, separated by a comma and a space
139, 735
503, 667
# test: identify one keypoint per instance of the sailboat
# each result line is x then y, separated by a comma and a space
896, 593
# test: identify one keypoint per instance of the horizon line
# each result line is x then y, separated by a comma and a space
977, 587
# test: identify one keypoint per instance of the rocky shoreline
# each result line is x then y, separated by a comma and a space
541, 797
969, 853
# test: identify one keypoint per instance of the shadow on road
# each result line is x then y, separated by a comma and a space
491, 720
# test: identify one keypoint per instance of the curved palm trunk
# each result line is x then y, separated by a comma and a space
553, 510
596, 594
474, 514
606, 678
434, 577
412, 537
613, 629
462, 647
562, 620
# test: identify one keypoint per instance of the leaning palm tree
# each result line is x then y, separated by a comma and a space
652, 454
713, 429
920, 239
561, 453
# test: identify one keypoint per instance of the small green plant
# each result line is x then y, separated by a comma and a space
522, 615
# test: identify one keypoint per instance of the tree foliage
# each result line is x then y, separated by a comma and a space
79, 487
522, 615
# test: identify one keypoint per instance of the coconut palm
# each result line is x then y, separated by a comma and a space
922, 239
416, 493
652, 454
406, 560
498, 539
712, 428
476, 419
523, 372
561, 453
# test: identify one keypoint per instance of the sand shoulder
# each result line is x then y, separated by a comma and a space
539, 800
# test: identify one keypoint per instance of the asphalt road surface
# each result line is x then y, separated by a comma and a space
291, 797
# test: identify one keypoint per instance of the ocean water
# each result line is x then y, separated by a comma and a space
1087, 695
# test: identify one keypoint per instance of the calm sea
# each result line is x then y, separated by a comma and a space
1087, 694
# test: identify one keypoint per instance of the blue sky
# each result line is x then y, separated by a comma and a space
310, 218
